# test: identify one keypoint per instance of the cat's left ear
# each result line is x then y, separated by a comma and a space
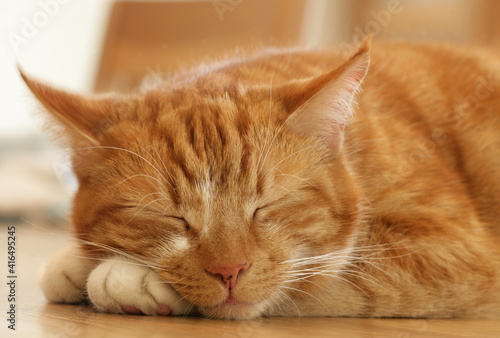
83, 118
322, 106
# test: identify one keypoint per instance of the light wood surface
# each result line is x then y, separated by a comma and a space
37, 318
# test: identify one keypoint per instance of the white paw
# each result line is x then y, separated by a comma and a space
63, 278
120, 285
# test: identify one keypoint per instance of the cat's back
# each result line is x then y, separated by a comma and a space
401, 61
426, 137
426, 131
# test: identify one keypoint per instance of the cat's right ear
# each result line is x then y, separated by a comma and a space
322, 106
81, 117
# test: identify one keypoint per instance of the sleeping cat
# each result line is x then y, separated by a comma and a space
289, 183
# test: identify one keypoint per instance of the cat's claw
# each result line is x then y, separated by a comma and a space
119, 285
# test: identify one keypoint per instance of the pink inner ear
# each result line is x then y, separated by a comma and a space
359, 74
335, 137
328, 111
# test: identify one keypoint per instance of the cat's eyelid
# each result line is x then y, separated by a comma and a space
186, 223
176, 217
262, 207
132, 206
259, 209
126, 206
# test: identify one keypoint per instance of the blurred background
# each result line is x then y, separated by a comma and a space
101, 45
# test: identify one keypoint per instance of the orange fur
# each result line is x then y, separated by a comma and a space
391, 211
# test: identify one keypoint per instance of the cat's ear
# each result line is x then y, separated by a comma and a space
81, 117
322, 106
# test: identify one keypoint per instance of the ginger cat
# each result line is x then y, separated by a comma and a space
289, 183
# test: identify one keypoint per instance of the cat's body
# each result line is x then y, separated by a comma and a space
256, 172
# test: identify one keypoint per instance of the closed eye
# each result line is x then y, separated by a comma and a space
257, 215
181, 219
254, 218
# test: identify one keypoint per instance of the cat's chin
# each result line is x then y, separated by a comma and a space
233, 310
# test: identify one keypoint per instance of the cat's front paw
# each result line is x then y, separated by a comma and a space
63, 278
119, 285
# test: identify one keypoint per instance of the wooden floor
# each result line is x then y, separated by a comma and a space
36, 318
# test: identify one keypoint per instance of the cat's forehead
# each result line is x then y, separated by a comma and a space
206, 92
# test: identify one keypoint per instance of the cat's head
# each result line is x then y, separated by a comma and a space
226, 190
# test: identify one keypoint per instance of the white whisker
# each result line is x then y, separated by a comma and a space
268, 130
133, 153
297, 177
286, 158
145, 206
306, 293
291, 300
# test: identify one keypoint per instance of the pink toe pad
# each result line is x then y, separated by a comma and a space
163, 310
131, 309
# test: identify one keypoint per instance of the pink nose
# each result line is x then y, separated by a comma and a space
229, 274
